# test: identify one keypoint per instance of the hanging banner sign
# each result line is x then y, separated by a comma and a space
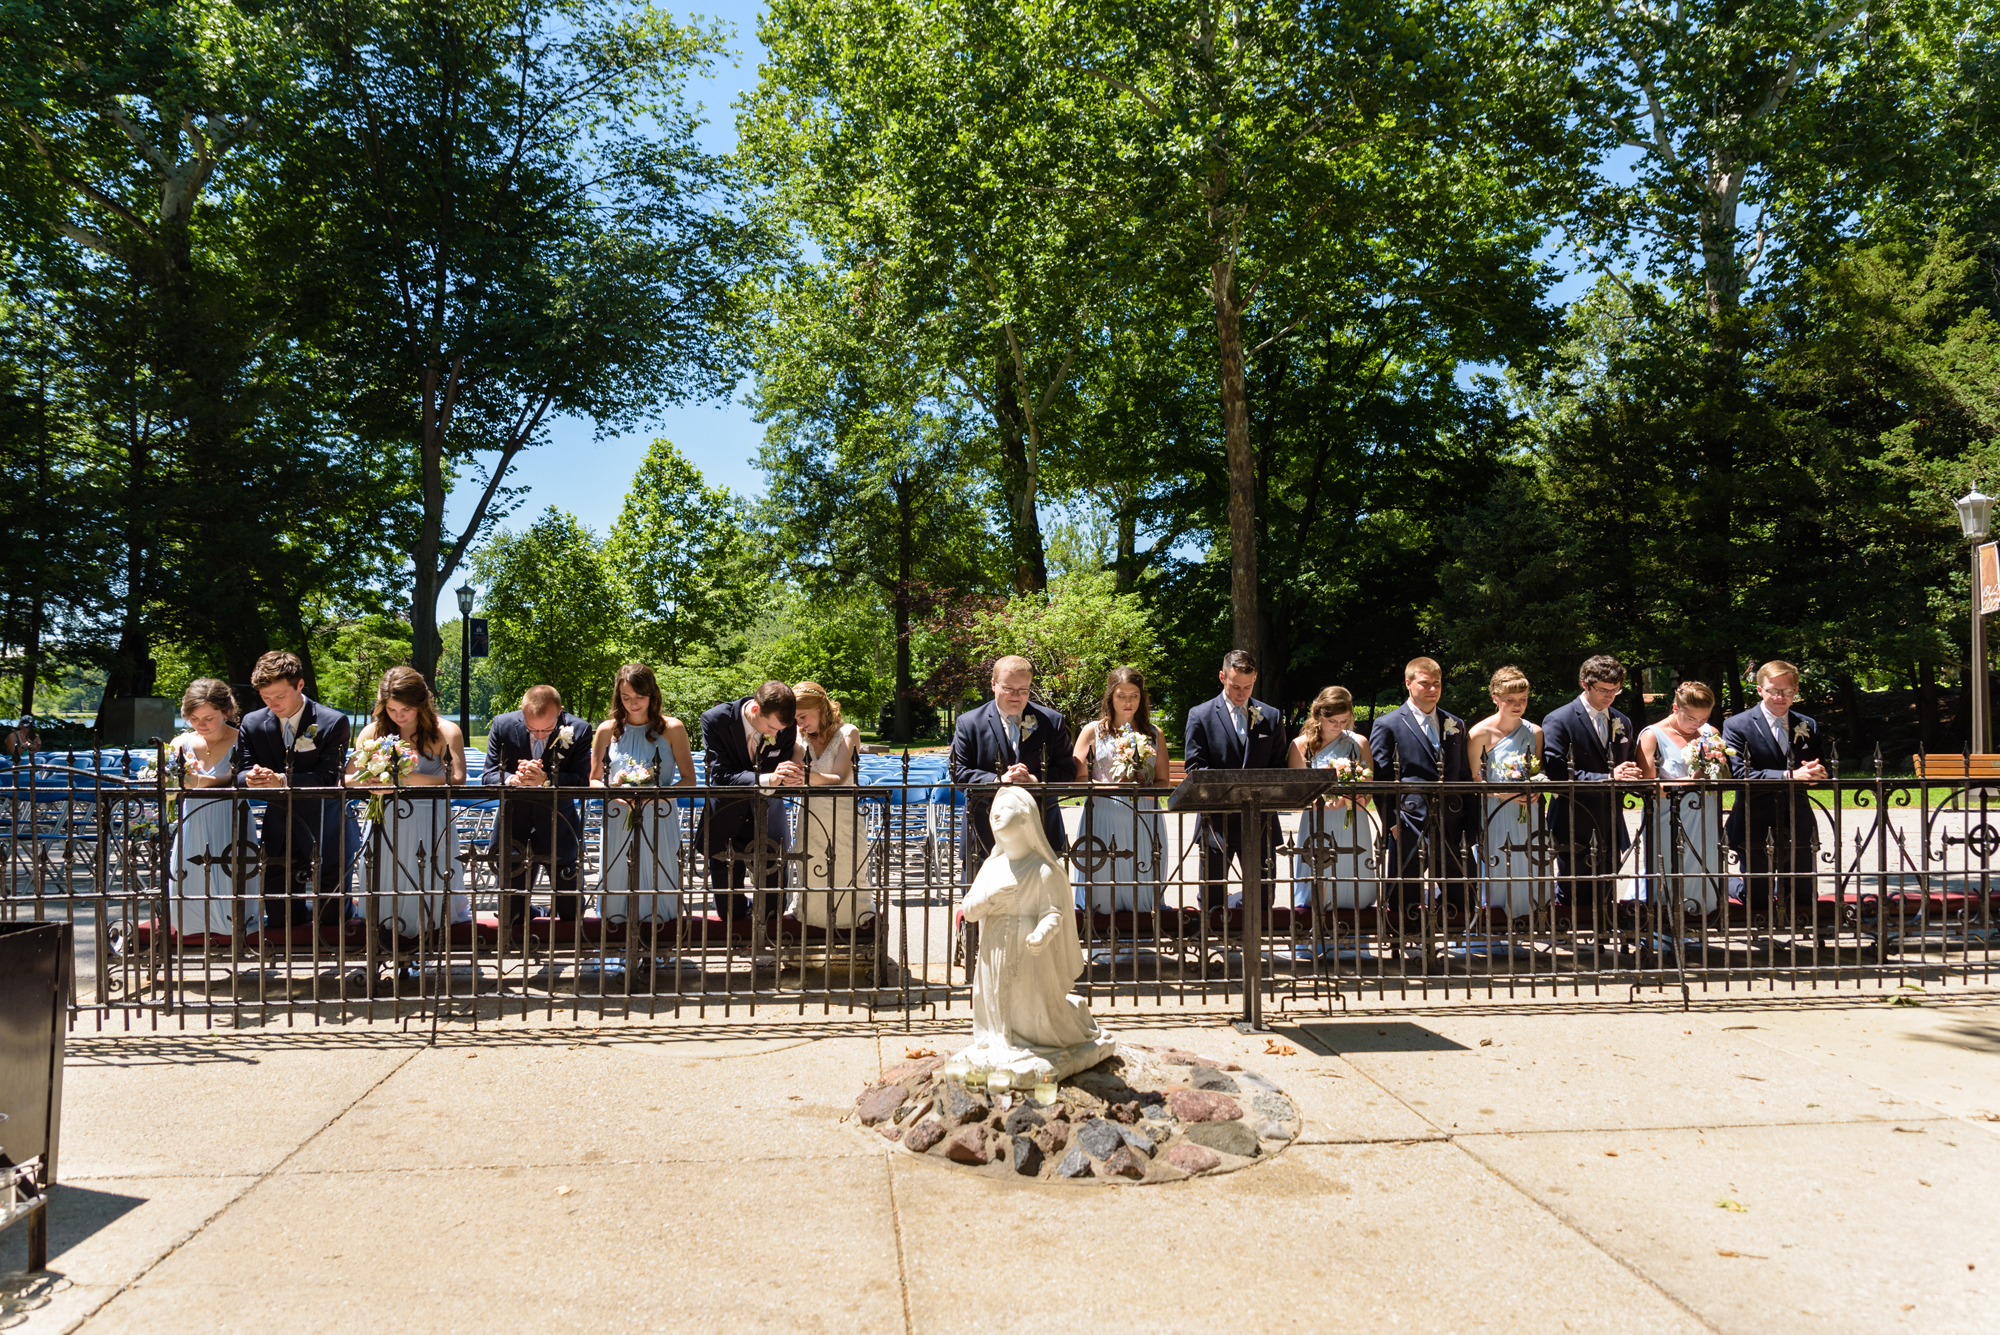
1989, 577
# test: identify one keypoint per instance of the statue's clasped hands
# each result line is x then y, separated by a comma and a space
1038, 939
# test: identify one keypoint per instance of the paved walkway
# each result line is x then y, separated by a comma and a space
1762, 1164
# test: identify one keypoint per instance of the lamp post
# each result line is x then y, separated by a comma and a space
1975, 517
465, 592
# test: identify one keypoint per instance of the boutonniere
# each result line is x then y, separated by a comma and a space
1450, 728
1028, 722
304, 741
1618, 730
1801, 733
563, 736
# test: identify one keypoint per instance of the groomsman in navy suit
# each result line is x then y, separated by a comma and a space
1605, 749
540, 746
1429, 746
1009, 739
751, 743
1235, 730
1774, 831
299, 745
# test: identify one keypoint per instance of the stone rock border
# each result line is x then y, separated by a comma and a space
1143, 1115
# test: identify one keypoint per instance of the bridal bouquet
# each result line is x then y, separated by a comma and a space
1132, 757
377, 762
1346, 770
180, 758
1708, 756
629, 774
1519, 767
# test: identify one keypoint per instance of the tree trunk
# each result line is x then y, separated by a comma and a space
1928, 723
1850, 701
900, 728
31, 652
1020, 481
1244, 629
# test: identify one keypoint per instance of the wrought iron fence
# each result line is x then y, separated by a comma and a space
485, 903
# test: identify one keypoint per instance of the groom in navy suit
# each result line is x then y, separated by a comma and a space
1009, 739
297, 744
1419, 742
534, 749
1589, 741
1235, 730
1774, 831
748, 743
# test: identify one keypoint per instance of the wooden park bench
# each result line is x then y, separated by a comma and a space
1958, 765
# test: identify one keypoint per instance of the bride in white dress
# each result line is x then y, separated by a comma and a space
204, 898
1506, 748
1117, 871
1683, 857
1337, 840
838, 880
640, 738
411, 875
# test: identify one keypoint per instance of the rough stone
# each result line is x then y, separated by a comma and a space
1158, 1113
1102, 1083
1273, 1131
1075, 1164
1257, 1081
912, 1111
1138, 1140
1201, 1105
1098, 1138
880, 1105
890, 1132
957, 1105
1125, 1112
1274, 1106
1051, 1137
1207, 1077
1181, 1058
1192, 1158
1027, 1156
924, 1135
910, 1072
1020, 1120
969, 1146
1225, 1138
1123, 1162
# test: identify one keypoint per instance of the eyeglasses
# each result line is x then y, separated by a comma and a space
1779, 693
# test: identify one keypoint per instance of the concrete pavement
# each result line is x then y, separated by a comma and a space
1765, 1163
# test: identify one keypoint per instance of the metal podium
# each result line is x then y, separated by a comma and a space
1253, 794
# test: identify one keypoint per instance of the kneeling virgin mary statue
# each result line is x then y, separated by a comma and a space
1025, 1020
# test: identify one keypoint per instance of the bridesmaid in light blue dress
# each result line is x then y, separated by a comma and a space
1683, 856
204, 898
411, 876
1340, 835
1506, 748
646, 832
1128, 827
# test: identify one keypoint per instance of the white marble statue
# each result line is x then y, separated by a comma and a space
1025, 1021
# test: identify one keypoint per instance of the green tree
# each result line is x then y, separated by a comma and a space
524, 225
868, 455
552, 611
682, 560
1074, 634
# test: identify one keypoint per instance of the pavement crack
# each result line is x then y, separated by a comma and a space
1582, 1234
259, 1180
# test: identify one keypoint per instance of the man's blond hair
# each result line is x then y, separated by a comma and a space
1777, 667
1007, 663
541, 700
1416, 665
